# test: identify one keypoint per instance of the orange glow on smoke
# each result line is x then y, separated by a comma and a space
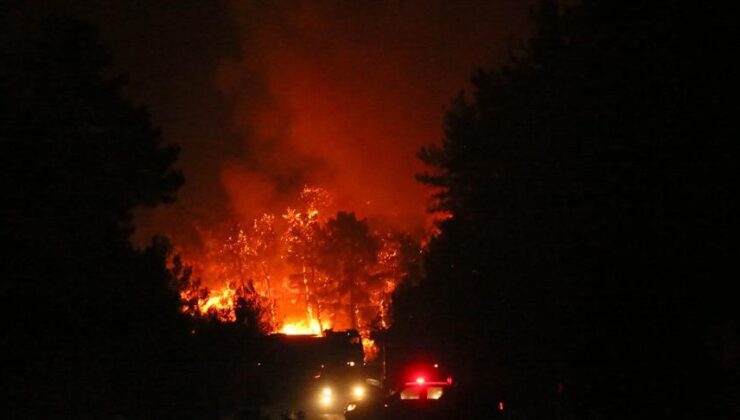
344, 95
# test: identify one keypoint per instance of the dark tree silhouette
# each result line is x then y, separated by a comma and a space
348, 252
82, 155
95, 327
588, 181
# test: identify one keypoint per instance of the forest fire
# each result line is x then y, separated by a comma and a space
281, 252
304, 271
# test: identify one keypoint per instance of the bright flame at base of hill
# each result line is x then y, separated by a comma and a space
301, 328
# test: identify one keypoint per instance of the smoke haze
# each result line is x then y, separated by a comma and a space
265, 97
343, 94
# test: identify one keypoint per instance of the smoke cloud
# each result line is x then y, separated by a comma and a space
343, 94
332, 93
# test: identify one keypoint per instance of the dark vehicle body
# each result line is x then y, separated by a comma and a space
288, 366
434, 400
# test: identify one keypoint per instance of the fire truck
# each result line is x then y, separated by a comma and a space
313, 374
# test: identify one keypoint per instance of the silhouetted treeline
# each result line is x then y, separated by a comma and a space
586, 271
92, 327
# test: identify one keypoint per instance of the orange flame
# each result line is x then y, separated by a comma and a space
369, 349
302, 327
219, 302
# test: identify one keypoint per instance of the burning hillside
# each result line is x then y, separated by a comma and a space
304, 271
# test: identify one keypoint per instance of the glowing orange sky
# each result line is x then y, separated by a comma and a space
348, 92
336, 93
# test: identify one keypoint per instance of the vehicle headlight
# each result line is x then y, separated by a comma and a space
358, 391
326, 397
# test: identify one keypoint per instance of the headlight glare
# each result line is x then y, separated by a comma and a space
358, 391
325, 397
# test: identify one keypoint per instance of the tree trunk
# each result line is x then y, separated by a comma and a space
352, 303
269, 294
306, 293
316, 300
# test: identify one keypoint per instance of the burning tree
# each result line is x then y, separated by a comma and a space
399, 259
302, 238
245, 257
263, 246
234, 255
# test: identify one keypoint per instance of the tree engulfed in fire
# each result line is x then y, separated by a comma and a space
304, 272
